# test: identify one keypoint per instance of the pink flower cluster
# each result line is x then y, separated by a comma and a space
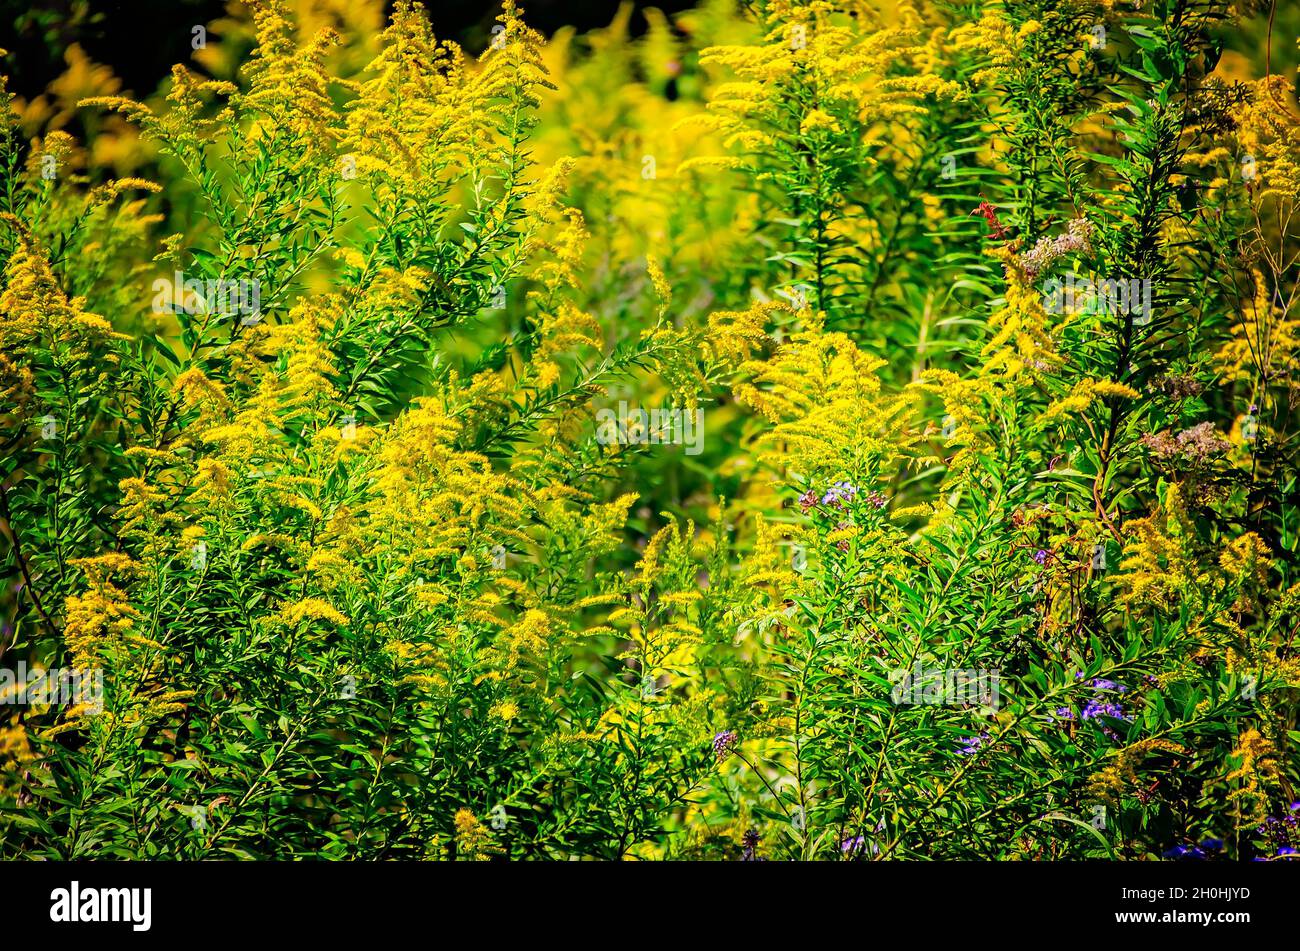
1191, 445
1076, 240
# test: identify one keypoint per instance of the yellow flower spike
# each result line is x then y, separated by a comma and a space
474, 842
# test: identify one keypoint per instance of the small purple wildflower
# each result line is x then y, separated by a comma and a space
724, 743
1041, 556
853, 844
839, 493
974, 743
750, 843
1100, 684
1097, 708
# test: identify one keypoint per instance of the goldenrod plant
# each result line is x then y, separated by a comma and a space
847, 429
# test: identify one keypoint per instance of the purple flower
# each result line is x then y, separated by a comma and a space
839, 493
1100, 684
1065, 713
1040, 556
1098, 708
974, 743
1287, 850
750, 842
724, 743
853, 844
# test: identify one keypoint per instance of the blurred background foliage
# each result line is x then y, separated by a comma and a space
841, 270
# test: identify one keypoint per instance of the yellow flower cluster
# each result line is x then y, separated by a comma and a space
99, 622
473, 840
1159, 567
1264, 342
832, 63
1256, 773
831, 418
1120, 777
1269, 131
34, 307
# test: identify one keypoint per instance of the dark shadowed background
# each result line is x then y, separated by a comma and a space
141, 39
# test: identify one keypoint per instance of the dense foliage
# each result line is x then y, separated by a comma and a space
970, 332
